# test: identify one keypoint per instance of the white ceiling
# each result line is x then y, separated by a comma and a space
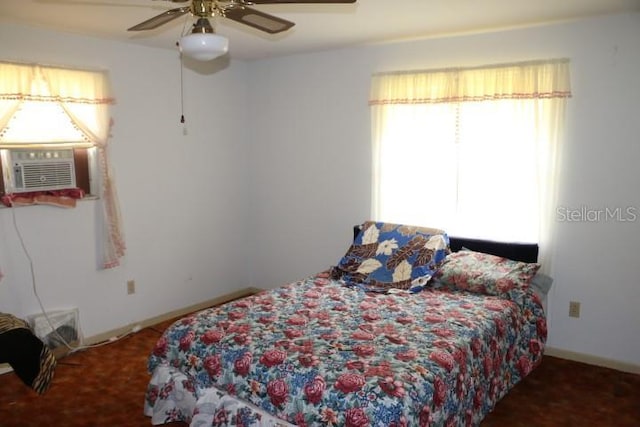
318, 26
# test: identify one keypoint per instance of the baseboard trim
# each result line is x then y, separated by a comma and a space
593, 360
171, 315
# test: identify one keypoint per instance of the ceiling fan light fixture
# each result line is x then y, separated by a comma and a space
203, 44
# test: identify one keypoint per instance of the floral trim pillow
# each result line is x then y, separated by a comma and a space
486, 274
388, 256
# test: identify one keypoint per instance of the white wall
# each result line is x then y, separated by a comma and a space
311, 164
183, 190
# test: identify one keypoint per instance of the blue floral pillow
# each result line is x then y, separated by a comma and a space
388, 256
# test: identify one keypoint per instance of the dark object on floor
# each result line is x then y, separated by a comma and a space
26, 353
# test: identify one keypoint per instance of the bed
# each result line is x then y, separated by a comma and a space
410, 328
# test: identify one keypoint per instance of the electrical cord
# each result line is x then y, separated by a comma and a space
44, 312
33, 279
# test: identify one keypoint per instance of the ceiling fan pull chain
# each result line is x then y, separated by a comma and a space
181, 85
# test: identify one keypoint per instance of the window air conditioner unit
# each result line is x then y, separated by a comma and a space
39, 170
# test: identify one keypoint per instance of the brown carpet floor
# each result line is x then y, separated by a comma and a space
105, 386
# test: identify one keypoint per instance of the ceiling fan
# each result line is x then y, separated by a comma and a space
203, 43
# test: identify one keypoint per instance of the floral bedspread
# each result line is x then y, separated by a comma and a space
319, 353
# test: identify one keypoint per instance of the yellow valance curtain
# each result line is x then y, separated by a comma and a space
526, 80
36, 82
44, 105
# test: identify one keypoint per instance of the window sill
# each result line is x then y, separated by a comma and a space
86, 198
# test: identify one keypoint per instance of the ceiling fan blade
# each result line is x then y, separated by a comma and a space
256, 19
161, 19
300, 1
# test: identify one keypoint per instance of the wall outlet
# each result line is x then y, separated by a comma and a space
574, 309
131, 287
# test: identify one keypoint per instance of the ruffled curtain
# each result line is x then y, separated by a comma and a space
527, 80
84, 99
436, 110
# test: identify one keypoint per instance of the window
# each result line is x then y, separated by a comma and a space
38, 126
471, 151
55, 121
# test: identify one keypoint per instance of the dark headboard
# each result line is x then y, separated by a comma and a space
526, 252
